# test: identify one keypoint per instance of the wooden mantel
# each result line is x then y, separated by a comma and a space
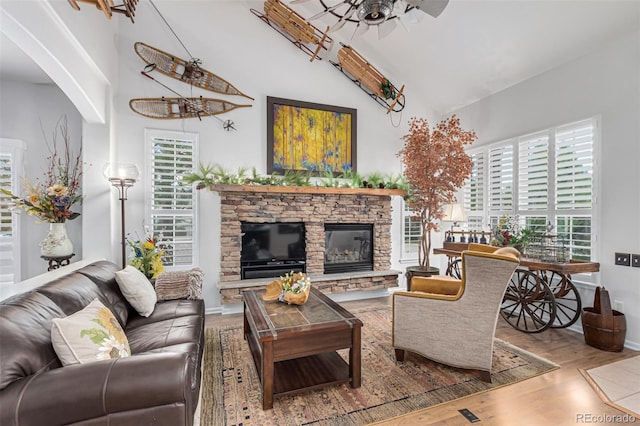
283, 189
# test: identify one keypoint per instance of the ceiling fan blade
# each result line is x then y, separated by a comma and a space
327, 10
360, 29
343, 20
411, 18
386, 28
338, 25
430, 7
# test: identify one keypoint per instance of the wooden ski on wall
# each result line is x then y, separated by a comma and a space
185, 71
174, 108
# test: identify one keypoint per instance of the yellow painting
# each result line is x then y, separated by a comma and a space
311, 137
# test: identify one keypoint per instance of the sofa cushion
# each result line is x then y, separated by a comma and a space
162, 334
167, 310
72, 292
25, 337
92, 334
137, 289
102, 273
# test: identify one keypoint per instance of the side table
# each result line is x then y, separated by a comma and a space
57, 261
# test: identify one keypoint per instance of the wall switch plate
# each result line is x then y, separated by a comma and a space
623, 259
635, 260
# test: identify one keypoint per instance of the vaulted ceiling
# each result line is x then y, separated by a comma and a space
473, 49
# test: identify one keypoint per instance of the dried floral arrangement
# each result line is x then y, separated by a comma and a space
52, 198
436, 166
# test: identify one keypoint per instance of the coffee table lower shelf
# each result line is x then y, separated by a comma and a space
302, 374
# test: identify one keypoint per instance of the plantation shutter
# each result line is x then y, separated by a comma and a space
10, 162
412, 230
533, 172
501, 175
172, 205
474, 189
574, 166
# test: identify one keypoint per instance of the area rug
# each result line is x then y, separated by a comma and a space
617, 384
231, 392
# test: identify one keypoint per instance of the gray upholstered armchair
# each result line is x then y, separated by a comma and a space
453, 321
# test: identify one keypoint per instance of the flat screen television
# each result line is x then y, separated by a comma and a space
272, 242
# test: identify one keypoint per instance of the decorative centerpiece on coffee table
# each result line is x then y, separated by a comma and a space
293, 288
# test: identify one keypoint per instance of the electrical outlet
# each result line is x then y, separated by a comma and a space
635, 260
618, 306
623, 259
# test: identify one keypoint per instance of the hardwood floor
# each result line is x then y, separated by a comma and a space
561, 397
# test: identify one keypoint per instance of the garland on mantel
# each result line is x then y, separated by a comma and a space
208, 175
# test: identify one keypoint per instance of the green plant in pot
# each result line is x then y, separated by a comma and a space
436, 167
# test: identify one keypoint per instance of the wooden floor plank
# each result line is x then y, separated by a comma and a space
558, 397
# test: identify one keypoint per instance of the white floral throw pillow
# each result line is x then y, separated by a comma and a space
89, 335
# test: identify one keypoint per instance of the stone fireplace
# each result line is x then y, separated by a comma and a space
315, 208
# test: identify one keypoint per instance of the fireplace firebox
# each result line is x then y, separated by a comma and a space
348, 247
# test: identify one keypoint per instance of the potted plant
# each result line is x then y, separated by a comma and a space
436, 166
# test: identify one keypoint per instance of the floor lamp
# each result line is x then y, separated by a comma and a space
122, 176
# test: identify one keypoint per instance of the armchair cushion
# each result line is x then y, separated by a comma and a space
508, 251
438, 285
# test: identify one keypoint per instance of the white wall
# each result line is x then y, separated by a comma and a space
29, 112
259, 62
606, 83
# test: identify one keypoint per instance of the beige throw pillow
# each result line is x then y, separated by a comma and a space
92, 334
137, 289
180, 285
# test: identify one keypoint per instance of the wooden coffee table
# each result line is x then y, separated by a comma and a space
294, 347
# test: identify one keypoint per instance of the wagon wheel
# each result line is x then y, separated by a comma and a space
453, 268
528, 304
568, 302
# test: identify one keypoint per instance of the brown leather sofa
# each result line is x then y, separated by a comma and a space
158, 385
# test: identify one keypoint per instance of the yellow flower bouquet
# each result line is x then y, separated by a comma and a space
147, 256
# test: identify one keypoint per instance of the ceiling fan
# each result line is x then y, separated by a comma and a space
378, 13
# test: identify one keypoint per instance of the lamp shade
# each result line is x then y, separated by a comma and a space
454, 213
118, 173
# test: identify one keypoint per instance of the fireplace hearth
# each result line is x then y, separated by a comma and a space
348, 247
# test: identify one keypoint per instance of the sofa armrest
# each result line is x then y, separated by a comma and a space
85, 391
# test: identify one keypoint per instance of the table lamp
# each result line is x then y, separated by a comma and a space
454, 213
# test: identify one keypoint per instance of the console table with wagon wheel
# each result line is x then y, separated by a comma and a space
294, 346
540, 294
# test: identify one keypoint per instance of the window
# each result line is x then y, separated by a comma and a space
474, 201
543, 177
10, 167
411, 232
171, 206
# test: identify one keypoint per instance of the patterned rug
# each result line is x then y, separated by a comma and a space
231, 392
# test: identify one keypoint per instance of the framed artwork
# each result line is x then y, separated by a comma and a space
304, 136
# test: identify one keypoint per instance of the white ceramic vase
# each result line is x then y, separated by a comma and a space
57, 242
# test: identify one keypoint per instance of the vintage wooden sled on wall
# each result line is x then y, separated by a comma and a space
127, 8
175, 108
369, 79
186, 71
295, 28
